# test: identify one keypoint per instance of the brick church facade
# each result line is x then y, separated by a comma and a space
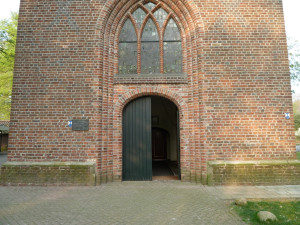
208, 79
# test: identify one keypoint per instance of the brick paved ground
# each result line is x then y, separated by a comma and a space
255, 192
154, 202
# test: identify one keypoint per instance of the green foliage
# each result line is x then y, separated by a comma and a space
297, 121
6, 80
298, 155
296, 107
287, 213
8, 35
296, 110
294, 60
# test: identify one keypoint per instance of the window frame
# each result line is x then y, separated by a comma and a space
149, 15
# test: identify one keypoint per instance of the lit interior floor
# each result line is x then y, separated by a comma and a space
164, 170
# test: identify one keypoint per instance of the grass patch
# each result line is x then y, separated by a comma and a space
287, 213
298, 155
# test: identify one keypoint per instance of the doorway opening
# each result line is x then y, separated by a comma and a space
165, 152
151, 140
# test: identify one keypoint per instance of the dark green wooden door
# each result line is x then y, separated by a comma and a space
137, 146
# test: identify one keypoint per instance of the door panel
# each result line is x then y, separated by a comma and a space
159, 144
137, 148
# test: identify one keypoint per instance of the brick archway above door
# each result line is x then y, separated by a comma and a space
122, 97
128, 96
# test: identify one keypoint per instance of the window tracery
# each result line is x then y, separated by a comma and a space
150, 42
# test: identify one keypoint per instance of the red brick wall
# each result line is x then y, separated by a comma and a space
56, 80
247, 86
232, 102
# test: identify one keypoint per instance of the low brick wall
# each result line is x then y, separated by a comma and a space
272, 172
51, 173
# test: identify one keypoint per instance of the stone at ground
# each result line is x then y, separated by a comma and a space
3, 158
264, 216
241, 201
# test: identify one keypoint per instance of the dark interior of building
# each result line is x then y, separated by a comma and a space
165, 155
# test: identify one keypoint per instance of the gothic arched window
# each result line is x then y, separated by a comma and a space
150, 42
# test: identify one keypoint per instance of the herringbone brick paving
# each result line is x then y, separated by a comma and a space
156, 202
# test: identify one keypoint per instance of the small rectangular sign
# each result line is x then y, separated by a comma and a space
287, 116
80, 125
70, 123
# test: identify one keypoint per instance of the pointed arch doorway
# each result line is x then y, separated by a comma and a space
150, 140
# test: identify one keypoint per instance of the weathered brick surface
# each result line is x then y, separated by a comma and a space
47, 174
254, 173
232, 101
